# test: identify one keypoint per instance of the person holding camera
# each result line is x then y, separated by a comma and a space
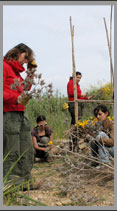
42, 138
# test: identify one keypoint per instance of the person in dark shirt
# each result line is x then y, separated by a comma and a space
42, 138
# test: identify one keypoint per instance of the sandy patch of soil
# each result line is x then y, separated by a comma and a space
68, 180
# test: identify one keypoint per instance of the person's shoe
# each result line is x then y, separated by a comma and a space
32, 187
36, 159
98, 166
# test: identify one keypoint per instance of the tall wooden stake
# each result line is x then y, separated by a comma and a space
112, 75
112, 82
111, 65
74, 73
110, 54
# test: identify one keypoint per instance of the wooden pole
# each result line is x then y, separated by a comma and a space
112, 78
110, 54
111, 65
74, 73
111, 45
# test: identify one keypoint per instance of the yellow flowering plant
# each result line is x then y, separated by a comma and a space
90, 126
65, 106
50, 142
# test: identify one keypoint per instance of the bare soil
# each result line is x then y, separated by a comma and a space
68, 180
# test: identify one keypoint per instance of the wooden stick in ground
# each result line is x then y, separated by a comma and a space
74, 80
111, 69
112, 78
111, 40
74, 72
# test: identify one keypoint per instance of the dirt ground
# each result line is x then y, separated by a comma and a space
68, 180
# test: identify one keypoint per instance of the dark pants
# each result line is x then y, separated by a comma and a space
17, 140
72, 111
94, 147
41, 154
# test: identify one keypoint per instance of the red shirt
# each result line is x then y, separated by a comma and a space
70, 91
11, 71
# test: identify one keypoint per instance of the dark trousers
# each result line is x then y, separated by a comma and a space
72, 111
41, 154
43, 143
94, 147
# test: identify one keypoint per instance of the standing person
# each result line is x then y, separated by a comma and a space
42, 135
16, 126
103, 145
80, 95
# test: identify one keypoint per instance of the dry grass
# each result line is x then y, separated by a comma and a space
69, 180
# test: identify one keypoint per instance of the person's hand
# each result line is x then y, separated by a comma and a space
83, 95
23, 100
89, 97
99, 139
92, 96
89, 138
47, 149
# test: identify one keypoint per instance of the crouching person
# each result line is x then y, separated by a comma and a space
103, 145
42, 137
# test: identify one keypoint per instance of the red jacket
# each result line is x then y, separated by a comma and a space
11, 71
70, 91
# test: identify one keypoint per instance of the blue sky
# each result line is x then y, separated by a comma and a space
46, 29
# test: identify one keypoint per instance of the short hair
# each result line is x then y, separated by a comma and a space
40, 118
78, 73
103, 108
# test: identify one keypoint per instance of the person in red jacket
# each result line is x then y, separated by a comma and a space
16, 126
80, 95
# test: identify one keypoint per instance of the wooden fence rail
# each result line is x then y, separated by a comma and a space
95, 101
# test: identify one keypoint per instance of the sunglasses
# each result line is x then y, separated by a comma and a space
99, 114
42, 125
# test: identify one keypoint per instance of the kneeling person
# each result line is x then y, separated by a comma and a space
42, 137
103, 146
